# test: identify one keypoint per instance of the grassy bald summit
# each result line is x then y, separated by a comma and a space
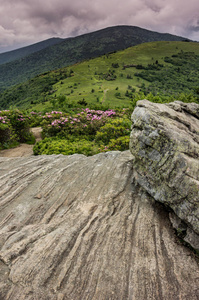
73, 50
166, 68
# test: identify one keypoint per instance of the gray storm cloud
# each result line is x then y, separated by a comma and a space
24, 22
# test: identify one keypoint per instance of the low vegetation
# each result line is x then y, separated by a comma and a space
85, 131
86, 108
165, 69
45, 56
14, 129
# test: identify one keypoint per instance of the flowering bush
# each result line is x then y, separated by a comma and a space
87, 132
14, 128
85, 122
35, 118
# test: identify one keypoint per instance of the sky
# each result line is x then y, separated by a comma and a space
24, 22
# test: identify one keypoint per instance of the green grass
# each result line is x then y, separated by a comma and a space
87, 74
70, 51
88, 78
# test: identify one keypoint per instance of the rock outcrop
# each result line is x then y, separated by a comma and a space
76, 227
96, 228
165, 145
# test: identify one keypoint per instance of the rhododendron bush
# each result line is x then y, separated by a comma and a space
85, 122
87, 132
14, 129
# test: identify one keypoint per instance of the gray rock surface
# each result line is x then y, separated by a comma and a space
165, 144
75, 227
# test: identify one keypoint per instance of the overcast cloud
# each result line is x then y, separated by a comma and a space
24, 22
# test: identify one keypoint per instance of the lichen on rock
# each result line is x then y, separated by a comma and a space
165, 144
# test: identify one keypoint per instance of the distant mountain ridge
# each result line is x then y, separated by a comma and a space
24, 51
74, 50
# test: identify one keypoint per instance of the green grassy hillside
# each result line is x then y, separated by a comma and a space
25, 51
74, 50
167, 68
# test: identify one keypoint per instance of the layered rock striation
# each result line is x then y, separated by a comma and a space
76, 227
165, 144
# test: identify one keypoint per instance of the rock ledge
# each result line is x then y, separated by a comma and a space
75, 227
165, 145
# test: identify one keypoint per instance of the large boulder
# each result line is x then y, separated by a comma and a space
76, 227
165, 145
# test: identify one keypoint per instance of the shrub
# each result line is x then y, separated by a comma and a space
113, 130
6, 135
35, 118
14, 128
115, 65
62, 146
20, 126
86, 122
88, 132
118, 95
120, 144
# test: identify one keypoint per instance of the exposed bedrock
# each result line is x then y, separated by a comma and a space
75, 227
88, 228
165, 145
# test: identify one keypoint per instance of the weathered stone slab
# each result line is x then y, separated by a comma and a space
75, 227
165, 145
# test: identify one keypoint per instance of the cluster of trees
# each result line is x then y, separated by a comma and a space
33, 91
181, 76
